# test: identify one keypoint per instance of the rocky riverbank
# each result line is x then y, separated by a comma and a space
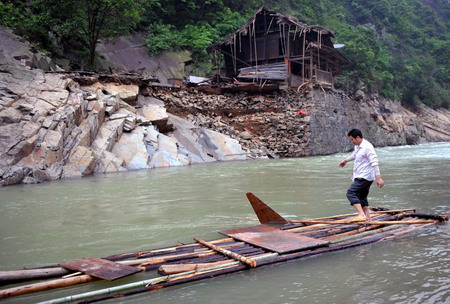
51, 127
306, 123
66, 125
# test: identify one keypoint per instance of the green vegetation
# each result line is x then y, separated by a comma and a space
10, 15
411, 44
192, 25
398, 48
71, 24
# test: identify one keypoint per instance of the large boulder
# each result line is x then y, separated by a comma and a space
167, 154
132, 149
148, 100
10, 115
205, 144
81, 163
188, 137
17, 141
13, 175
13, 48
221, 146
108, 134
109, 163
126, 92
157, 114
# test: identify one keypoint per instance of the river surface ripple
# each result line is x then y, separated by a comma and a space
108, 214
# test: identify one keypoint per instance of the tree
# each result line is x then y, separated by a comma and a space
89, 20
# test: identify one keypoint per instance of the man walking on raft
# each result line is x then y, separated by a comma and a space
365, 171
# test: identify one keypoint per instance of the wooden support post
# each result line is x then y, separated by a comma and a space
303, 55
241, 258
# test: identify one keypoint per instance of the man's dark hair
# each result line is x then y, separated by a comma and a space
355, 133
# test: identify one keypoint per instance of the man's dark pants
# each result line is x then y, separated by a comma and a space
358, 192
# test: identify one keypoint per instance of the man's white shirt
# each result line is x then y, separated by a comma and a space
365, 161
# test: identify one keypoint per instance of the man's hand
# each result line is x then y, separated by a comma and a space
342, 163
380, 182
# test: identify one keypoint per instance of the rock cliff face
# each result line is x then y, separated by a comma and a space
52, 127
383, 122
55, 126
129, 53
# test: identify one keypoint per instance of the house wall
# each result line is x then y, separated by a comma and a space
303, 49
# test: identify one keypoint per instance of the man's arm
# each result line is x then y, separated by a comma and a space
373, 159
344, 161
380, 182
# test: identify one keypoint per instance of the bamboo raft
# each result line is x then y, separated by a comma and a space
274, 240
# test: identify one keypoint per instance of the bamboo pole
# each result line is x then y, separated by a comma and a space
177, 268
351, 232
355, 214
347, 222
31, 274
241, 258
25, 289
174, 248
320, 226
374, 213
409, 230
164, 259
362, 234
158, 251
72, 275
330, 231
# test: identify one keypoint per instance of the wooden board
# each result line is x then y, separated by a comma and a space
274, 239
100, 268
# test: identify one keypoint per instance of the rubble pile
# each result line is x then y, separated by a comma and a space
265, 125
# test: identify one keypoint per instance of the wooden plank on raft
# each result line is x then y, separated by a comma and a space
274, 239
100, 268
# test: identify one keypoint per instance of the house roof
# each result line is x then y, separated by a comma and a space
277, 19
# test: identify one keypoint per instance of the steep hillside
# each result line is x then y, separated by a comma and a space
398, 49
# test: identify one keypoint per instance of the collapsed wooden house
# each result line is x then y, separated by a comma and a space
274, 240
278, 48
